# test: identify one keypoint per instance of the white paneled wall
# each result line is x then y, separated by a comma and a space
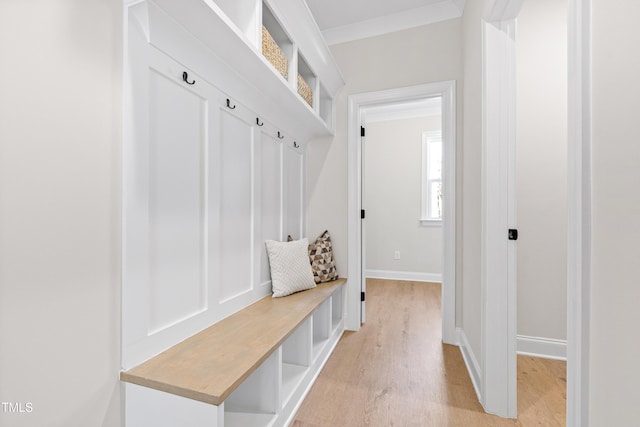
206, 182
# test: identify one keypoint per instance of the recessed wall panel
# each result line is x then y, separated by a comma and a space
236, 207
271, 199
176, 202
293, 184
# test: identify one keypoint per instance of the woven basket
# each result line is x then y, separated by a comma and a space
274, 54
305, 90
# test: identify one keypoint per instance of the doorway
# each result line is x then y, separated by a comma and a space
499, 339
541, 178
541, 193
357, 110
402, 191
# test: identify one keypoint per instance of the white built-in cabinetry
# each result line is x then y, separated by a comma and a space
164, 390
214, 165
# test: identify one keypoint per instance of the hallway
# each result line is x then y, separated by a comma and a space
396, 372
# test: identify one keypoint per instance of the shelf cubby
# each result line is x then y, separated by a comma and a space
306, 84
296, 359
277, 46
254, 403
321, 327
244, 14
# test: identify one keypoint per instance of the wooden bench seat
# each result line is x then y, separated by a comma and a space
211, 364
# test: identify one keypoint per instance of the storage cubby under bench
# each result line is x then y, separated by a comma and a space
252, 368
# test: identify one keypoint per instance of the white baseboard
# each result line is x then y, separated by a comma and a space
542, 347
404, 275
470, 360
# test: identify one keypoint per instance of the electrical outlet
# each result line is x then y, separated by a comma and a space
396, 255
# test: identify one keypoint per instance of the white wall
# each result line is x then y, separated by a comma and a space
615, 289
541, 168
393, 174
60, 211
430, 53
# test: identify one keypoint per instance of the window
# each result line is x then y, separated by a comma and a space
431, 178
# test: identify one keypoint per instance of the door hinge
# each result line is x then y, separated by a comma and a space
513, 234
361, 213
362, 296
362, 131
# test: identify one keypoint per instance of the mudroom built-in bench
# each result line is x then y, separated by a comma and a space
251, 369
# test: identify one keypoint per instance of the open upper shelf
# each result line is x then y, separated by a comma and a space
233, 31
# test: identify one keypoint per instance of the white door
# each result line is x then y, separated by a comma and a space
498, 266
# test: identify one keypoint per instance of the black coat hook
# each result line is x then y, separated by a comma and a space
229, 105
280, 136
296, 145
258, 122
185, 78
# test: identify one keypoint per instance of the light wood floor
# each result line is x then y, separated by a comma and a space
396, 372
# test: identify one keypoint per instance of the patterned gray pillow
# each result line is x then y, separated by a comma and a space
321, 258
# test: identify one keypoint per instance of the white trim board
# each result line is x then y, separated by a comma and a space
404, 275
579, 216
546, 348
473, 367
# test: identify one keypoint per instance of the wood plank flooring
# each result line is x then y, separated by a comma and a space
396, 372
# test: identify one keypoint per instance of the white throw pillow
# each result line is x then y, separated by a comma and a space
290, 268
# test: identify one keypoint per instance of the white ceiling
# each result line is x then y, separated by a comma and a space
345, 20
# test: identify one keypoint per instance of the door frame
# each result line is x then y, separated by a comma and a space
498, 381
357, 102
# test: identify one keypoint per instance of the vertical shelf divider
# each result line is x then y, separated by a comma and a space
293, 69
316, 97
325, 106
321, 327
